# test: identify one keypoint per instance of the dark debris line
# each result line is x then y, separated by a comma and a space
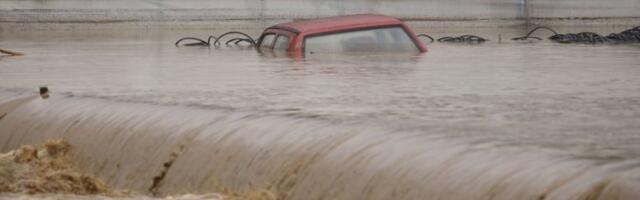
469, 39
628, 36
217, 41
10, 53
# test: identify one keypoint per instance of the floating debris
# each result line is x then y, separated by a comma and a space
217, 41
628, 36
11, 53
469, 39
44, 92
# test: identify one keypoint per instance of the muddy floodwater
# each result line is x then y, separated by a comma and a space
501, 120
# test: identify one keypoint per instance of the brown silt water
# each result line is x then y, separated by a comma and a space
510, 120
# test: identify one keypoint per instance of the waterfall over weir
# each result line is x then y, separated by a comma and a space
201, 150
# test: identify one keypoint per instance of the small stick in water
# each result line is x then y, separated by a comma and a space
11, 53
44, 92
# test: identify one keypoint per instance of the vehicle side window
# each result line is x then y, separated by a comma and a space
267, 41
390, 39
282, 42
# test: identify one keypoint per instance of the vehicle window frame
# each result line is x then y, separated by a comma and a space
276, 40
275, 35
304, 39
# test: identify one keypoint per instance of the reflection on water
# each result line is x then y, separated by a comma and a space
490, 117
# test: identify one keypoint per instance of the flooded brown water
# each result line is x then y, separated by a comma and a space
502, 120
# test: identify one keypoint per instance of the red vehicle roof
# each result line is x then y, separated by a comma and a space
338, 23
302, 29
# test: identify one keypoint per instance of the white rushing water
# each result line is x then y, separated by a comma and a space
495, 121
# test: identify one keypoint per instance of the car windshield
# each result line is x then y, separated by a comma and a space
389, 39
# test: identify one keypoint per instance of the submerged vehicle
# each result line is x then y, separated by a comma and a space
339, 34
350, 33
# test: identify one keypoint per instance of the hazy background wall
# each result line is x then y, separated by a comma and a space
583, 8
86, 10
110, 11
